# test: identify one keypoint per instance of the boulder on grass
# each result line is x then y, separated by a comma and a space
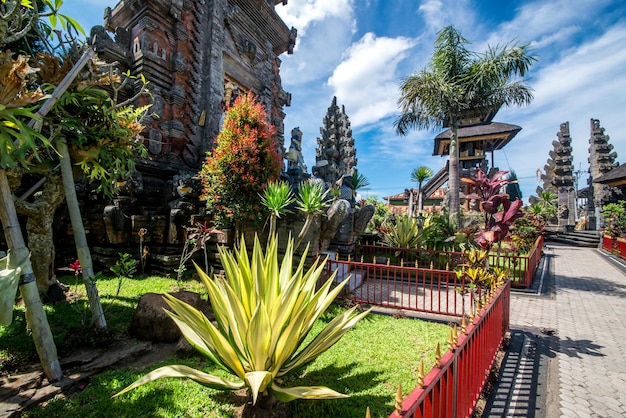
151, 323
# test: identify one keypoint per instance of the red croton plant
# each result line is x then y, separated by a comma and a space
498, 210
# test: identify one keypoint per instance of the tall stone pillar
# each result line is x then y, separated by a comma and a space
563, 179
601, 161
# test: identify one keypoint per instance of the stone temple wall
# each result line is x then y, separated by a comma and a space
197, 56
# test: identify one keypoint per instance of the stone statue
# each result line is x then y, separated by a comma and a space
230, 94
346, 191
296, 171
294, 156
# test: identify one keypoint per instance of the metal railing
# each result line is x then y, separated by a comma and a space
402, 287
521, 268
453, 386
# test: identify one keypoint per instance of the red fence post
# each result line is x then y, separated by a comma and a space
453, 388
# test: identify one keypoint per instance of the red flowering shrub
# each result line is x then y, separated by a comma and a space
498, 210
244, 160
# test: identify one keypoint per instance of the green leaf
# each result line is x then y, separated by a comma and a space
257, 381
73, 22
304, 392
183, 372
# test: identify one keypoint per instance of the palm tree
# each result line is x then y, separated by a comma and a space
420, 175
359, 181
456, 81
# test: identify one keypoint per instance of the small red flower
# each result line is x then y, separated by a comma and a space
76, 267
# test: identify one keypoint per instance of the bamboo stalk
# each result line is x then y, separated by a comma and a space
35, 314
80, 238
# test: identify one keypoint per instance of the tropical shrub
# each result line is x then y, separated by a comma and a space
381, 213
478, 277
526, 229
615, 218
264, 312
440, 233
244, 160
544, 204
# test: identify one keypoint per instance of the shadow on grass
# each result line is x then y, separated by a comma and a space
70, 324
344, 380
177, 397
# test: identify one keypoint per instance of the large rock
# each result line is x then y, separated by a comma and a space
151, 323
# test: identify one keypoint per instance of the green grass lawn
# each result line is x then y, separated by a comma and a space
368, 363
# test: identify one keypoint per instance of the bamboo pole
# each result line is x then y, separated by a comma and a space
35, 314
80, 238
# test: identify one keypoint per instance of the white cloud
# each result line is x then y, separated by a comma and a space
325, 29
301, 14
547, 22
588, 82
367, 80
440, 13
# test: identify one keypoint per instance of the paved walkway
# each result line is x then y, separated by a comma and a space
568, 352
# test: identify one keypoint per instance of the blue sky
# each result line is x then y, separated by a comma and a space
359, 51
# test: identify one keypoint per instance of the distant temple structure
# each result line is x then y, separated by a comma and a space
335, 156
197, 57
605, 178
558, 177
478, 135
601, 162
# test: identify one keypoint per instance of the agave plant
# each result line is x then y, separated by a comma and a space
264, 312
404, 233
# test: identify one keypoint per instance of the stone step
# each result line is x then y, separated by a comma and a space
576, 238
573, 242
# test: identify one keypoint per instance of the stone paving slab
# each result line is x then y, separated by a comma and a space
584, 316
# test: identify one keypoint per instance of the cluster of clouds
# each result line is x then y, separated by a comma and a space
579, 75
359, 51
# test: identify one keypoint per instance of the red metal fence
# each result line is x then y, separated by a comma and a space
402, 287
452, 388
521, 268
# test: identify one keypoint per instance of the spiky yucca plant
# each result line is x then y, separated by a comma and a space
310, 200
276, 197
264, 312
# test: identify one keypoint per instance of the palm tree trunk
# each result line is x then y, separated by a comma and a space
82, 248
453, 178
35, 314
420, 200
